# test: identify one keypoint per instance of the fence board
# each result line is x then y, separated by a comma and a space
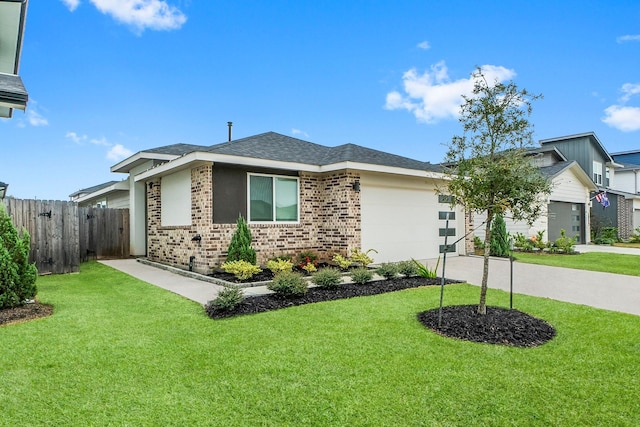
63, 234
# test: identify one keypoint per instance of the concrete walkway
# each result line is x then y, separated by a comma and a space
602, 290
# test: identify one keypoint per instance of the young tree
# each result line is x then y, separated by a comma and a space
489, 169
499, 237
240, 247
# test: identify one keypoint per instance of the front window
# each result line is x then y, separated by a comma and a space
273, 198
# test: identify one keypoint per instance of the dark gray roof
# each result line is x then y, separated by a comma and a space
555, 169
93, 189
176, 149
274, 146
629, 166
12, 89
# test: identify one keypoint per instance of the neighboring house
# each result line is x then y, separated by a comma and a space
112, 194
592, 156
565, 208
295, 195
13, 94
12, 23
629, 157
628, 181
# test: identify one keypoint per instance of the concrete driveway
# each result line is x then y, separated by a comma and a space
615, 292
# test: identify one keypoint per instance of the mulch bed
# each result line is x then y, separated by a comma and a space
24, 313
262, 303
499, 326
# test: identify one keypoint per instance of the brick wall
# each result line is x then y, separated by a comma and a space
625, 217
329, 222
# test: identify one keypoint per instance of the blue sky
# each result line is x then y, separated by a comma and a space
109, 78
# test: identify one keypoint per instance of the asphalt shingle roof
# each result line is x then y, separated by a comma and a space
555, 169
176, 149
93, 189
274, 146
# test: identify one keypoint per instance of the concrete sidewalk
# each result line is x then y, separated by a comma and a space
602, 290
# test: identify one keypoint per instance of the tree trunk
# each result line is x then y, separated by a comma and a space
482, 307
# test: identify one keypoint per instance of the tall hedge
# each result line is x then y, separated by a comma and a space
17, 276
240, 247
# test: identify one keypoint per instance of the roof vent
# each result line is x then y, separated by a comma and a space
230, 124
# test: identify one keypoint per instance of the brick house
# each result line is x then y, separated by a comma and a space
295, 195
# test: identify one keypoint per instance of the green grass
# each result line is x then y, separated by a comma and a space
593, 261
119, 352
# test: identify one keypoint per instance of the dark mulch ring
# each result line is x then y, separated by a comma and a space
262, 303
499, 326
24, 313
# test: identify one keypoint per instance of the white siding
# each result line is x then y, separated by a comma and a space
175, 197
118, 200
566, 187
627, 181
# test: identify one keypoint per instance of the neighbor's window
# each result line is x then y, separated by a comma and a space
597, 173
273, 198
445, 198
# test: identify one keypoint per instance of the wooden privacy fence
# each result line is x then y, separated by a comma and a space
63, 234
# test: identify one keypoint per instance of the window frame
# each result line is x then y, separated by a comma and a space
597, 173
273, 177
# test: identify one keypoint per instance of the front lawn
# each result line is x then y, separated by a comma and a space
593, 261
118, 351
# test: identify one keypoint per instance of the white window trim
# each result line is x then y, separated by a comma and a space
273, 176
597, 172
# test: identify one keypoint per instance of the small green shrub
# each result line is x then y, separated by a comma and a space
538, 241
240, 247
609, 233
288, 284
243, 270
278, 265
500, 245
522, 243
478, 243
424, 271
636, 237
327, 277
564, 244
227, 299
343, 263
17, 275
361, 275
388, 270
361, 258
407, 268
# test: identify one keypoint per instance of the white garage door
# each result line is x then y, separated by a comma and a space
400, 218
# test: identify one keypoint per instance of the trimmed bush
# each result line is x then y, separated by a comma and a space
240, 247
278, 265
407, 268
327, 277
243, 270
361, 258
343, 263
227, 299
387, 270
17, 276
288, 284
361, 275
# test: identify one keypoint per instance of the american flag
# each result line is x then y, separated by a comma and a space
603, 199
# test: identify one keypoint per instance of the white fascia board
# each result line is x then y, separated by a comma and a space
125, 165
200, 157
120, 186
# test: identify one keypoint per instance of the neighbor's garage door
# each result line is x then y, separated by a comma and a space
568, 217
399, 218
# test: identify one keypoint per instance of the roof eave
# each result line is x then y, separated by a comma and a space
120, 186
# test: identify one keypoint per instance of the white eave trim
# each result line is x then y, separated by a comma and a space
197, 158
120, 186
142, 155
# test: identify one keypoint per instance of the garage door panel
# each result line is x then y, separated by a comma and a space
400, 223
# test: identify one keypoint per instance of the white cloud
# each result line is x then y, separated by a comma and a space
626, 119
433, 96
71, 4
295, 131
142, 14
78, 139
620, 116
628, 38
102, 141
424, 45
628, 90
35, 119
118, 152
